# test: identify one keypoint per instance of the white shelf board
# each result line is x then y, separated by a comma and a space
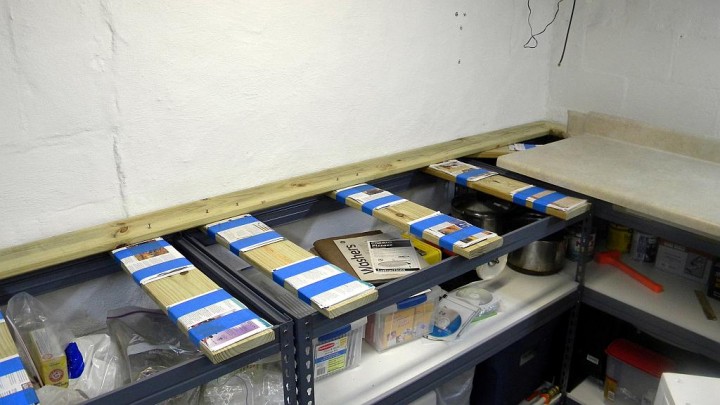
677, 304
588, 392
378, 373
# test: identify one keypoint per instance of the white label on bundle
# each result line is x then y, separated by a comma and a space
14, 382
151, 258
210, 312
235, 334
456, 168
312, 276
244, 231
369, 195
453, 225
340, 294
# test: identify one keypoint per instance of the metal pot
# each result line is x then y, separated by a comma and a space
541, 257
487, 213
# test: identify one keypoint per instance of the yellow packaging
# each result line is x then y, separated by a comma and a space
428, 252
49, 358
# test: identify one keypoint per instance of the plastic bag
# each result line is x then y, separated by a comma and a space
457, 390
257, 384
148, 341
51, 394
104, 368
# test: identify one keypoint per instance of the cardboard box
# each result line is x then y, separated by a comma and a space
681, 261
49, 357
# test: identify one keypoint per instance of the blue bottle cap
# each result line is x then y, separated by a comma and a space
75, 361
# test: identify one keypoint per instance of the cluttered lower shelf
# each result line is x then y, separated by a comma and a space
588, 392
382, 374
612, 291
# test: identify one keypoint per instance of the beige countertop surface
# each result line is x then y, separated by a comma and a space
676, 189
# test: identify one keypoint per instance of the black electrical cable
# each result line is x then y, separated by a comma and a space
533, 36
567, 34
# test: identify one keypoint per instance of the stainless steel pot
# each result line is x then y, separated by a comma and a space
485, 212
541, 257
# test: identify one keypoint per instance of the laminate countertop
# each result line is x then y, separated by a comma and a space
676, 189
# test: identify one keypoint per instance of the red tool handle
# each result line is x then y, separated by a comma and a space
644, 280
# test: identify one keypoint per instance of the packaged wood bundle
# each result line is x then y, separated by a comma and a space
216, 322
450, 233
489, 182
15, 385
318, 283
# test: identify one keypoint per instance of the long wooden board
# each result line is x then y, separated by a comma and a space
102, 238
503, 187
402, 214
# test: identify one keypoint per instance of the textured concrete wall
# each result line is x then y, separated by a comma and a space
115, 108
654, 61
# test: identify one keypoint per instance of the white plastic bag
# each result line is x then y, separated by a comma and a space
104, 370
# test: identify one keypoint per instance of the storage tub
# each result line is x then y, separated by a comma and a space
338, 350
633, 373
409, 319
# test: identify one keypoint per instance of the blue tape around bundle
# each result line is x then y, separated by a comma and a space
342, 196
142, 248
370, 206
541, 204
177, 311
233, 223
306, 293
142, 274
463, 178
241, 244
520, 197
446, 241
283, 273
218, 325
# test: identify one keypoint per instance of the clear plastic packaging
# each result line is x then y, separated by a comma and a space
409, 319
338, 350
148, 341
257, 384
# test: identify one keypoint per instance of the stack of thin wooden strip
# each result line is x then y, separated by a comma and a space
489, 182
320, 284
16, 387
217, 323
450, 233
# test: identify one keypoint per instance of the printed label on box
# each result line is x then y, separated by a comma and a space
397, 255
15, 381
331, 356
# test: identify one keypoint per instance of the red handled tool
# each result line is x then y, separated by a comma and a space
612, 257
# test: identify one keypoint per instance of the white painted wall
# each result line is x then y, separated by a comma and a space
651, 60
112, 108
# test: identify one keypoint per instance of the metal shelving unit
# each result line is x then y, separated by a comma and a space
674, 315
310, 324
182, 377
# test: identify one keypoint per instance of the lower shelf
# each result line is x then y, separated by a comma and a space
674, 315
589, 392
379, 375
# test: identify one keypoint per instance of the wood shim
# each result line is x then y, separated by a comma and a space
189, 283
402, 214
272, 256
504, 187
58, 249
